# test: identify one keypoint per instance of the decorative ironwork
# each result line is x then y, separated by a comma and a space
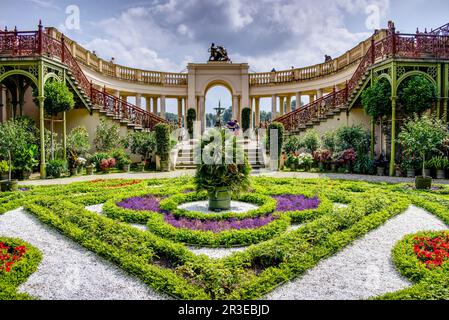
415, 46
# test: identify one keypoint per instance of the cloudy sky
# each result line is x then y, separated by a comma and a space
167, 34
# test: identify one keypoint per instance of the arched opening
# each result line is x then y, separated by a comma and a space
16, 98
217, 95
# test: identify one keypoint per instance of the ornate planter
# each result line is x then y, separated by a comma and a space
126, 167
73, 171
410, 173
7, 185
140, 167
165, 165
220, 199
380, 171
90, 170
423, 183
441, 174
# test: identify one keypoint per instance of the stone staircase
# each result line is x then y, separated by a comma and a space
185, 159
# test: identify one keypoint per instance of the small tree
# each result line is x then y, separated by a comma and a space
163, 143
78, 141
15, 142
421, 136
58, 98
311, 141
246, 119
417, 95
107, 136
191, 116
142, 143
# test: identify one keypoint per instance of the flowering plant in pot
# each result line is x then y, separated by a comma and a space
223, 168
422, 136
107, 164
305, 161
292, 161
323, 157
346, 158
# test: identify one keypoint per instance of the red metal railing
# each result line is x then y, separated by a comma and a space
38, 43
414, 46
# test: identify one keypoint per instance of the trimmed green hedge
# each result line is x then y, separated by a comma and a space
21, 270
169, 267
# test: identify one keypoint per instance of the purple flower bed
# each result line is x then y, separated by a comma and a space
148, 203
295, 203
218, 226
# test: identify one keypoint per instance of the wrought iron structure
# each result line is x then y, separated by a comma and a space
420, 46
40, 45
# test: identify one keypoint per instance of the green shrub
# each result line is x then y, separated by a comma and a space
246, 119
354, 137
163, 144
232, 173
279, 127
311, 141
292, 144
417, 94
121, 157
107, 136
56, 168
191, 117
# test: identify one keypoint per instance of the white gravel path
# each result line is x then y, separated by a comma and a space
203, 206
216, 253
67, 270
363, 269
98, 208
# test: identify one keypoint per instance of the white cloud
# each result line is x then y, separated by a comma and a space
265, 33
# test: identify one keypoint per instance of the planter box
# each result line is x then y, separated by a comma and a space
7, 185
441, 174
411, 173
423, 183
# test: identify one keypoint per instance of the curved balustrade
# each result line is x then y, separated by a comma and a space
25, 44
415, 46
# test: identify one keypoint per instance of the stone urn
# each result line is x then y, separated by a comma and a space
441, 174
90, 170
220, 199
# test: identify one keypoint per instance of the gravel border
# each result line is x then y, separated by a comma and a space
98, 208
363, 269
216, 253
69, 271
203, 207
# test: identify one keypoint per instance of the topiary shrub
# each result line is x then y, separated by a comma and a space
280, 143
417, 94
246, 119
191, 117
163, 144
56, 168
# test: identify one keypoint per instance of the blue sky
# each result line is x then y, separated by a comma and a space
167, 34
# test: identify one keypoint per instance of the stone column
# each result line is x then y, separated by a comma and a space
298, 100
163, 107
186, 107
201, 112
179, 112
273, 107
235, 107
154, 105
148, 104
2, 103
319, 94
289, 104
311, 98
281, 106
257, 112
139, 100
251, 117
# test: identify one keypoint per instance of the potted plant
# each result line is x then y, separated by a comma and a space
217, 174
56, 168
291, 161
398, 171
107, 164
6, 185
440, 164
422, 136
90, 169
163, 145
140, 167
18, 148
305, 160
322, 157
381, 164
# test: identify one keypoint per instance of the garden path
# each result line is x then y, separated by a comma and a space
69, 271
190, 173
363, 269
